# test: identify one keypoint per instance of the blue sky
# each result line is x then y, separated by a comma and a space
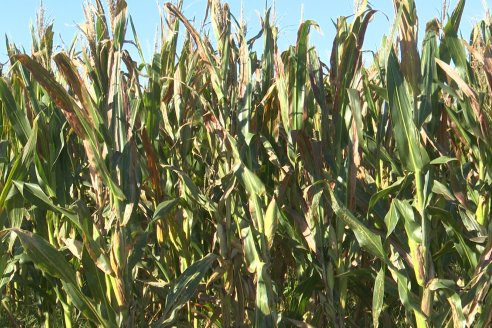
15, 17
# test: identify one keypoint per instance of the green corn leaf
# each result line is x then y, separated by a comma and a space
468, 257
17, 116
203, 50
228, 143
97, 285
415, 239
356, 106
301, 73
429, 76
163, 209
391, 219
378, 297
251, 182
442, 160
52, 262
36, 196
485, 318
412, 154
77, 118
412, 227
184, 288
408, 299
119, 24
264, 314
7, 265
397, 185
21, 165
453, 24
366, 238
251, 256
448, 286
192, 191
245, 89
451, 34
441, 189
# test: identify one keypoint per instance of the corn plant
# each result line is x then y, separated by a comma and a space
225, 182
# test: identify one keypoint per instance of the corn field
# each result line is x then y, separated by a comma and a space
226, 183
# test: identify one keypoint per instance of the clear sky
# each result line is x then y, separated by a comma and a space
15, 16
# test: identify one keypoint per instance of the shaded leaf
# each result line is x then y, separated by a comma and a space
184, 288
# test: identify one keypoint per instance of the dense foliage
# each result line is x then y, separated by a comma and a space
222, 186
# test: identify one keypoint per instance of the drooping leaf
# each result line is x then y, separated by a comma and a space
184, 288
397, 185
442, 160
52, 262
164, 208
366, 238
448, 286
